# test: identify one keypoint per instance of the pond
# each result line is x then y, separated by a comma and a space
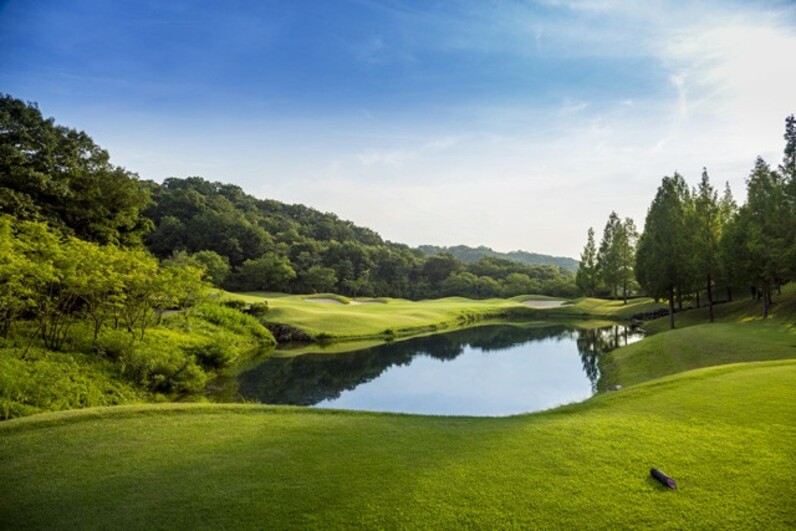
491, 370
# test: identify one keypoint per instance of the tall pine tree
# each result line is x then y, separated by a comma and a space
586, 277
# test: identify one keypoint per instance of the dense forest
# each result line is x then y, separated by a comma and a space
699, 246
266, 245
473, 254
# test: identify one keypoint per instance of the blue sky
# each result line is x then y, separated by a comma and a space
514, 124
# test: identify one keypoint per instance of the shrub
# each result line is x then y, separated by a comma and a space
46, 381
165, 369
258, 309
213, 354
235, 304
114, 344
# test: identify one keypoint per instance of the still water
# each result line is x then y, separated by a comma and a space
484, 371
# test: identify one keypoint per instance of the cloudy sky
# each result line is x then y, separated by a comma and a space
508, 123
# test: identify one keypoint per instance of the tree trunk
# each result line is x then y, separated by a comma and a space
671, 306
710, 298
697, 300
764, 298
729, 294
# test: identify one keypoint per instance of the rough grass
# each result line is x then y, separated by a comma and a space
727, 435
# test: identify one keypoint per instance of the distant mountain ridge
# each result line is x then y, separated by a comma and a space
473, 254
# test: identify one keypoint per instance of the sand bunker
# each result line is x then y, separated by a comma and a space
543, 304
323, 300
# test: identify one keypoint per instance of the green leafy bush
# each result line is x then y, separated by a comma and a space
214, 354
167, 370
258, 309
45, 381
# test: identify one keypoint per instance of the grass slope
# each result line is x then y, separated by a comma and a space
738, 334
727, 434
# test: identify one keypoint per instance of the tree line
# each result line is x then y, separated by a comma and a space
698, 242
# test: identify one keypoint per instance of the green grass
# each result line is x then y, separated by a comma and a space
741, 310
374, 317
738, 334
616, 309
727, 435
697, 346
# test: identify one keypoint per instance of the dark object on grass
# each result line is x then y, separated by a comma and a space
663, 478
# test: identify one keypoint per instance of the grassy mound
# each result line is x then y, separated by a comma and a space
738, 334
726, 434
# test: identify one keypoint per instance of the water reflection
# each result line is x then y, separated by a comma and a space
509, 368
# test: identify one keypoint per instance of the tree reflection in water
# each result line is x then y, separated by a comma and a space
312, 378
595, 341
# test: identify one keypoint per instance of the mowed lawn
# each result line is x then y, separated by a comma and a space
334, 316
726, 434
339, 317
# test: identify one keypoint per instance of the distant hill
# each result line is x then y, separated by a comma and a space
473, 254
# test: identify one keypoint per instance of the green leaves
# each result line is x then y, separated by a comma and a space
56, 174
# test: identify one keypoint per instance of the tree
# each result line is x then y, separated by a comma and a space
215, 268
438, 268
26, 250
707, 230
625, 241
586, 277
788, 172
729, 245
764, 221
318, 279
608, 259
661, 259
59, 175
270, 272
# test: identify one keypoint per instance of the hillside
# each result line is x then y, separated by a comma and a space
473, 254
269, 245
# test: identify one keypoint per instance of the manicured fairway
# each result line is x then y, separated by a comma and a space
727, 435
335, 318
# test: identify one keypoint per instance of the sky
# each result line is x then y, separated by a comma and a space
514, 124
